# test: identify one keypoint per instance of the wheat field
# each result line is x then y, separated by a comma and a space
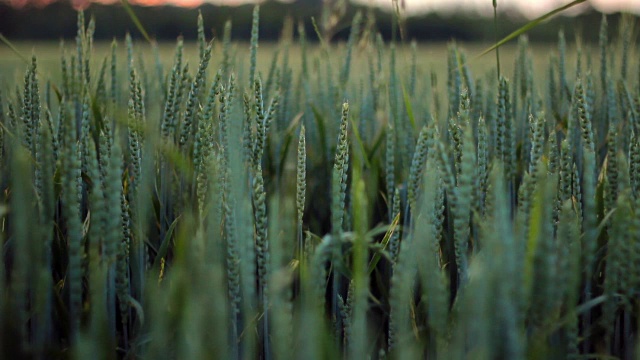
218, 199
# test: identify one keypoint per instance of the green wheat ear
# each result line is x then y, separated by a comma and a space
634, 163
254, 44
462, 200
417, 166
340, 173
520, 221
262, 245
390, 140
482, 165
226, 50
394, 241
192, 100
301, 187
71, 201
201, 36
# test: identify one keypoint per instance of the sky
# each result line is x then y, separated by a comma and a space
530, 8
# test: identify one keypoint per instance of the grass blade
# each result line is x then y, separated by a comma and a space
135, 19
13, 48
530, 25
385, 241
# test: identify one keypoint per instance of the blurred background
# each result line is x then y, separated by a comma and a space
423, 20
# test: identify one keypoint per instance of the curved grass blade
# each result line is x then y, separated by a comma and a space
385, 241
376, 145
409, 107
164, 247
134, 18
530, 25
288, 137
13, 48
362, 148
318, 33
320, 122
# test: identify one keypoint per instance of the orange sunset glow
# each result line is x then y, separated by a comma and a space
527, 7
86, 3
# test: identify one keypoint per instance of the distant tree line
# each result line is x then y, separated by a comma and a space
58, 20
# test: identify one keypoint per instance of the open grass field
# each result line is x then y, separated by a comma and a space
429, 56
359, 200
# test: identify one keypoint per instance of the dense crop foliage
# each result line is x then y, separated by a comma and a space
321, 211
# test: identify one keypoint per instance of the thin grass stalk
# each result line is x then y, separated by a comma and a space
358, 324
282, 319
351, 43
21, 275
113, 225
